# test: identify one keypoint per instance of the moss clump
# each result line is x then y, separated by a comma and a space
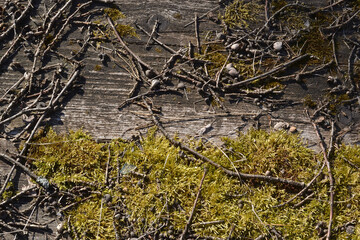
48, 39
97, 68
316, 44
346, 173
114, 13
160, 192
240, 14
278, 4
282, 154
125, 30
310, 39
105, 32
336, 101
309, 102
9, 191
177, 16
217, 55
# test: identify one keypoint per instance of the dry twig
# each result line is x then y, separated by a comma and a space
189, 221
272, 71
331, 178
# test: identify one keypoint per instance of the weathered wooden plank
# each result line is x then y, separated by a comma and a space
96, 111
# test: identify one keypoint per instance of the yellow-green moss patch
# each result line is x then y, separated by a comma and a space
241, 14
160, 192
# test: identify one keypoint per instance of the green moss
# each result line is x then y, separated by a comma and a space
125, 30
104, 32
97, 68
48, 39
323, 19
343, 97
282, 154
316, 44
310, 38
294, 19
167, 193
347, 182
336, 101
9, 191
241, 14
277, 5
217, 55
177, 16
107, 33
309, 102
158, 50
114, 13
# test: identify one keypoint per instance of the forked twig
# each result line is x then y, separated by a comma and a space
125, 46
202, 16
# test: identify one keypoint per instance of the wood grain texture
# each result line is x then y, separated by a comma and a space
95, 107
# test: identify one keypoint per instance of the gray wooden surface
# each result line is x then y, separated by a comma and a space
96, 110
95, 107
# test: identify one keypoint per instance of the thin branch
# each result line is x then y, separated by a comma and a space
166, 47
202, 16
64, 25
188, 223
304, 189
17, 196
153, 33
52, 103
218, 74
307, 73
196, 21
24, 13
18, 164
12, 46
272, 71
299, 204
338, 26
334, 52
125, 46
326, 7
266, 10
107, 166
351, 67
351, 164
331, 178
